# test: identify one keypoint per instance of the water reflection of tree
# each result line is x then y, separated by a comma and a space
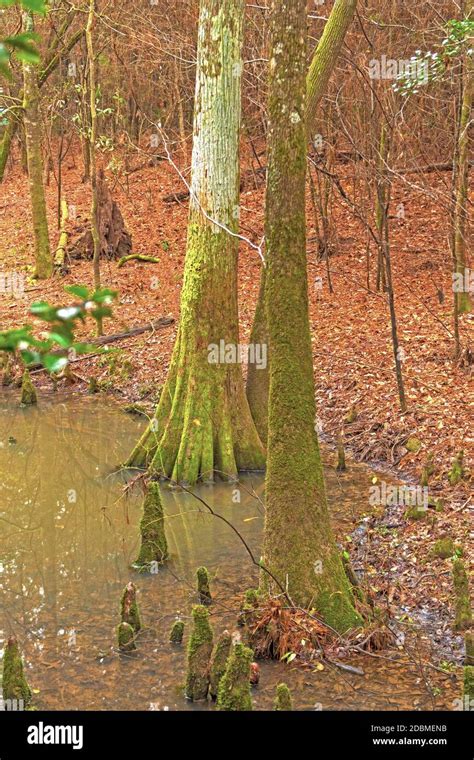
61, 557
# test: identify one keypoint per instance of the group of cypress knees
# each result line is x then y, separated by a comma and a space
226, 671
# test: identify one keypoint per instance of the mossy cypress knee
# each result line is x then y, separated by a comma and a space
234, 689
469, 643
219, 661
199, 655
154, 547
457, 471
203, 586
469, 682
427, 471
444, 548
126, 637
463, 612
248, 607
177, 632
14, 685
341, 454
28, 392
283, 699
6, 370
129, 609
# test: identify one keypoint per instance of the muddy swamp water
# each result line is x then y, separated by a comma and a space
68, 538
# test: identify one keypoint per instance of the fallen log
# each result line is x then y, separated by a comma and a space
158, 324
176, 197
150, 163
439, 167
137, 257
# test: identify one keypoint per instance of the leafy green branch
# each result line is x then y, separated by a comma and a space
432, 66
57, 345
21, 45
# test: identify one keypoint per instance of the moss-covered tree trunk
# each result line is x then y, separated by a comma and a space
258, 377
43, 256
56, 53
299, 547
92, 147
6, 143
462, 297
326, 55
320, 70
203, 423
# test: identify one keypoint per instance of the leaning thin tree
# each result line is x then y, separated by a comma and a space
203, 423
299, 546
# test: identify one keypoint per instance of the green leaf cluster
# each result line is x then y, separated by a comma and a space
62, 323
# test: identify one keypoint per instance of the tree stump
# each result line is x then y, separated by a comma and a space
115, 240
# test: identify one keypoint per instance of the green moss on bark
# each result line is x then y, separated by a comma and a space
126, 637
177, 632
258, 378
283, 699
234, 689
341, 454
203, 586
203, 426
154, 547
428, 470
14, 683
457, 472
463, 612
32, 122
445, 548
469, 682
28, 392
469, 643
299, 546
219, 661
248, 606
199, 655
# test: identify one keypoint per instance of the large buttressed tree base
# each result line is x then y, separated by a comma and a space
203, 423
299, 547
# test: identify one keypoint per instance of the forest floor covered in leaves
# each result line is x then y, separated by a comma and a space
353, 358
